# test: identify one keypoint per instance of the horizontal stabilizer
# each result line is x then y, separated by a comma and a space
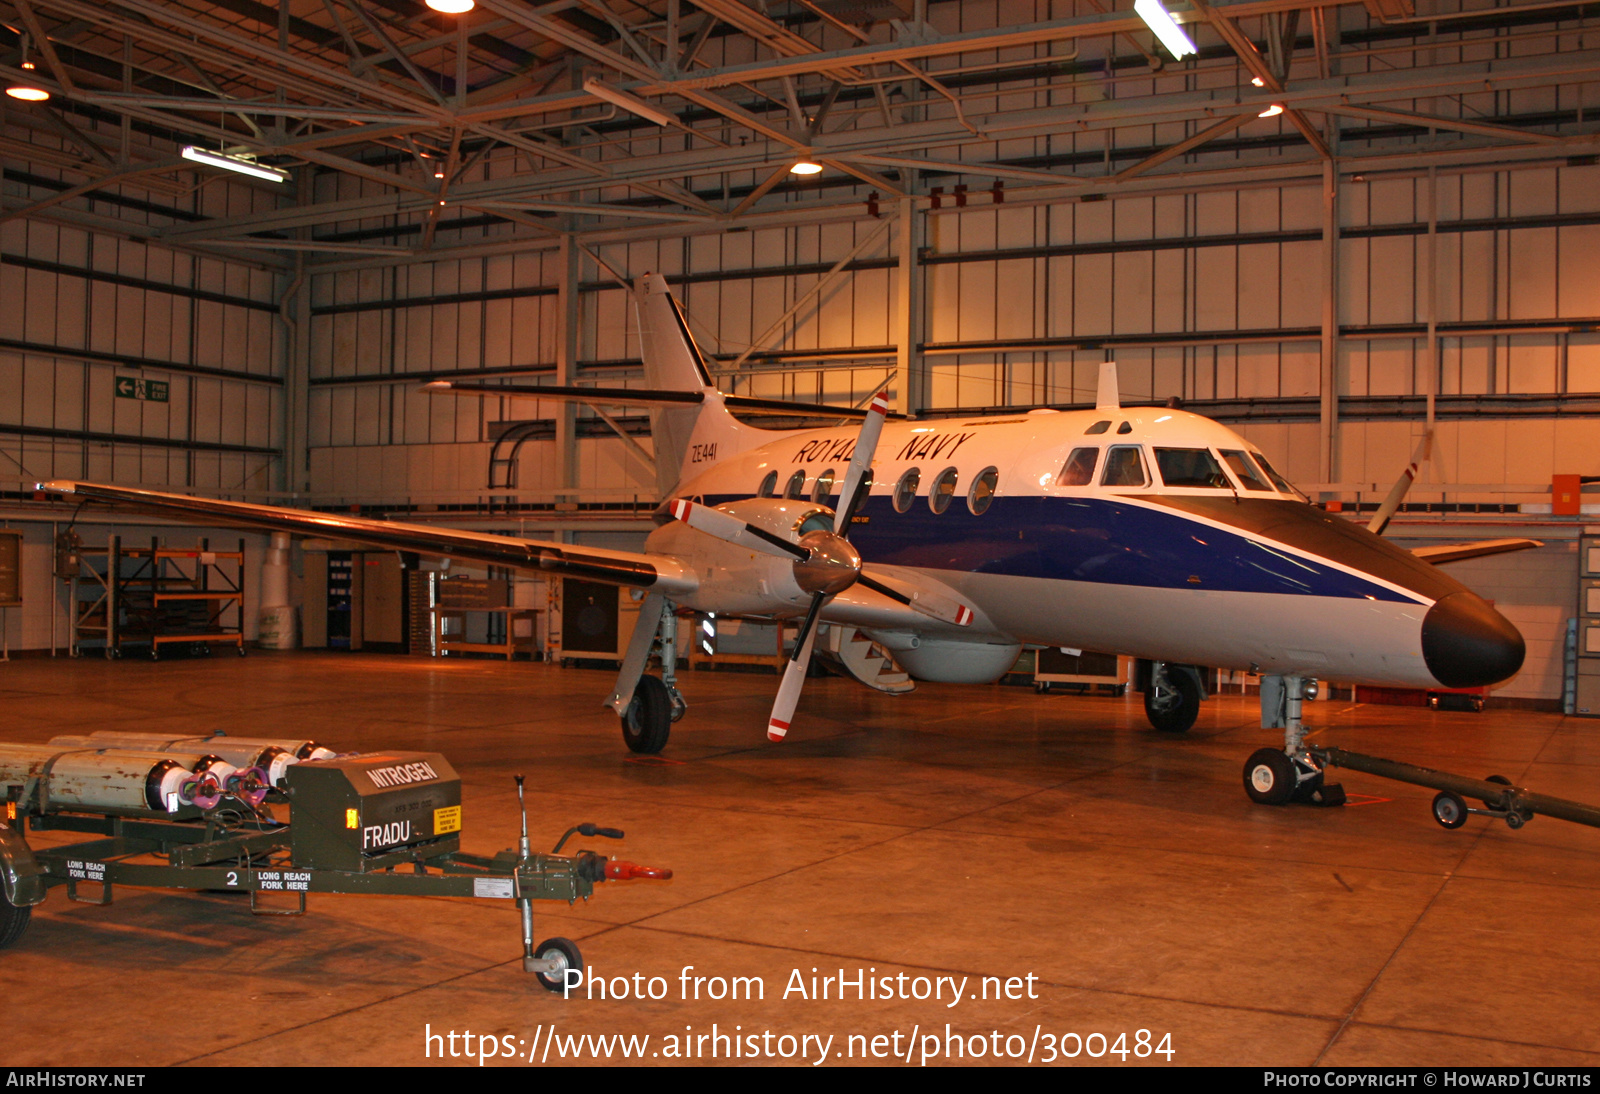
621, 396
1455, 552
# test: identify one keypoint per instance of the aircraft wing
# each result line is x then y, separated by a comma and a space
1455, 552
660, 573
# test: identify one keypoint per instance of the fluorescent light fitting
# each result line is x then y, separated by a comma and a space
631, 103
451, 7
235, 163
28, 93
1156, 18
806, 167
1272, 111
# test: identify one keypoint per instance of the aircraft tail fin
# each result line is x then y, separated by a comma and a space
672, 359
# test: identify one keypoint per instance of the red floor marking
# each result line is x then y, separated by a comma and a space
1364, 799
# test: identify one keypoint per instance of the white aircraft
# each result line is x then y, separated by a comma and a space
953, 544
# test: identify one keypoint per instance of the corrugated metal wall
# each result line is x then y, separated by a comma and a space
83, 308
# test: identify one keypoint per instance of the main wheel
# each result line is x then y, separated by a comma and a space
1269, 776
1174, 708
1449, 810
567, 957
648, 721
13, 921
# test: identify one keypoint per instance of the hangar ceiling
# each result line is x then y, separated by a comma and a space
412, 133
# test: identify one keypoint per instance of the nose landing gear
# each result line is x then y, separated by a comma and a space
1293, 774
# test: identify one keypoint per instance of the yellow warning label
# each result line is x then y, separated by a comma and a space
447, 820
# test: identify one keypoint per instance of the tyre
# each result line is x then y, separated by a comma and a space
648, 721
13, 921
1269, 777
1174, 708
1449, 810
1501, 780
567, 953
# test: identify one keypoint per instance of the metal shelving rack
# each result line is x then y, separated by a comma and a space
156, 596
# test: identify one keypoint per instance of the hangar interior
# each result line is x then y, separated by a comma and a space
1353, 232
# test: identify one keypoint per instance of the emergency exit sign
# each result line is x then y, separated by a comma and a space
136, 387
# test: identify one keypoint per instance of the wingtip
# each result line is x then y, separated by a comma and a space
57, 486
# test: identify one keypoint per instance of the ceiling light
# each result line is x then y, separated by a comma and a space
806, 167
242, 164
631, 103
28, 93
1272, 111
1258, 81
1156, 18
451, 7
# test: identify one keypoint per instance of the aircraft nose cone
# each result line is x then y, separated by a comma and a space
1467, 644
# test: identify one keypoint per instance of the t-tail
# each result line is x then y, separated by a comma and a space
688, 437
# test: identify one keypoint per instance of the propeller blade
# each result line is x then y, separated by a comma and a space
947, 609
794, 674
714, 522
851, 494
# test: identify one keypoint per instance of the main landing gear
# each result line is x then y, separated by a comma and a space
648, 705
1172, 697
1276, 777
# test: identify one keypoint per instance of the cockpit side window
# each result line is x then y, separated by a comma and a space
769, 485
1124, 467
1244, 470
1079, 468
797, 483
1277, 480
1191, 467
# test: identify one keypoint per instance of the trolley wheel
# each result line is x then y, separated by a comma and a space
13, 922
1501, 780
241, 650
1449, 810
1269, 776
569, 958
647, 723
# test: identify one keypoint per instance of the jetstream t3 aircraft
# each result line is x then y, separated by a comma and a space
951, 545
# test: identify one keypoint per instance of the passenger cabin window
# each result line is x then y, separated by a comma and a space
1244, 470
1079, 468
1191, 467
797, 483
824, 487
942, 490
905, 491
1124, 467
1098, 427
769, 485
982, 492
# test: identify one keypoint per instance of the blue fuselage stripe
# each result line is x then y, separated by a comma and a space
1095, 539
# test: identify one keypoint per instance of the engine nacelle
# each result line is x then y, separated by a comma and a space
735, 580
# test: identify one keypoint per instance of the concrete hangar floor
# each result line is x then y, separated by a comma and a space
955, 832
